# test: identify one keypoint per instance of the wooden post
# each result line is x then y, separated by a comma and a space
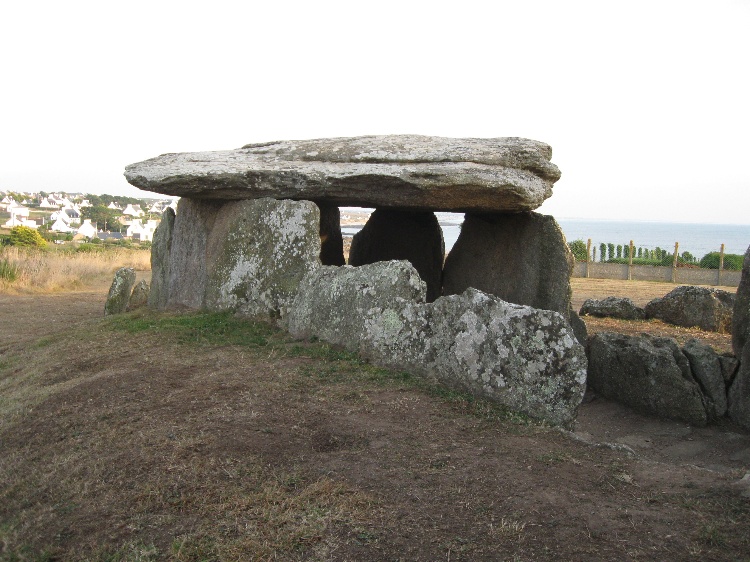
674, 262
630, 262
588, 256
721, 265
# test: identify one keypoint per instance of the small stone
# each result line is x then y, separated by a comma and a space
688, 306
119, 291
139, 296
613, 307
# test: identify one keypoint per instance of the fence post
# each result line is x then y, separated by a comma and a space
630, 262
674, 262
588, 256
721, 265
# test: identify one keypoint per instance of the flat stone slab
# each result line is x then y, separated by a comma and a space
398, 171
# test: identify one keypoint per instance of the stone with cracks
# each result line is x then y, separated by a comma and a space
741, 316
522, 258
119, 291
257, 252
706, 367
739, 392
139, 296
613, 307
161, 247
403, 235
333, 302
397, 171
707, 308
647, 373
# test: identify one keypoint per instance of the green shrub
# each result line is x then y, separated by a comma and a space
732, 262
8, 270
602, 252
611, 251
578, 247
26, 237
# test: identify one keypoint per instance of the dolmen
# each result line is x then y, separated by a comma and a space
257, 231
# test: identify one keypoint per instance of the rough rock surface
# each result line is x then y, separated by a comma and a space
524, 358
398, 171
522, 258
333, 302
739, 392
161, 247
705, 365
613, 307
649, 374
139, 296
403, 235
741, 316
119, 291
707, 308
257, 252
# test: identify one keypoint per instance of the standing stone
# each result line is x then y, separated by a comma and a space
707, 308
333, 302
139, 296
161, 248
187, 259
522, 258
706, 367
331, 241
647, 373
741, 316
119, 291
257, 253
739, 392
403, 235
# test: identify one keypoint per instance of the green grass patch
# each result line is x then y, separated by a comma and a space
9, 271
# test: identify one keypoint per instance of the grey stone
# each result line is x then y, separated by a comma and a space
398, 171
648, 374
579, 327
707, 308
739, 392
161, 247
741, 317
139, 296
522, 258
729, 365
119, 291
613, 307
403, 235
257, 252
705, 365
524, 358
187, 258
333, 302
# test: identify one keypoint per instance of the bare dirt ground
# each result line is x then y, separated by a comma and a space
121, 439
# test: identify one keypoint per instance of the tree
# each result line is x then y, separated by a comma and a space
101, 215
619, 251
611, 251
578, 247
603, 251
26, 237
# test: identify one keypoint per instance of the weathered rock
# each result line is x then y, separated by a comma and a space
398, 171
741, 316
403, 235
139, 296
331, 240
739, 392
613, 307
161, 247
119, 291
579, 327
707, 308
522, 258
333, 302
647, 373
729, 365
257, 252
705, 366
187, 258
523, 358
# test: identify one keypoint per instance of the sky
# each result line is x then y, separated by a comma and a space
646, 104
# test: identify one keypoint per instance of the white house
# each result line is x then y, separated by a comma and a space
19, 217
61, 226
114, 206
47, 204
133, 210
87, 229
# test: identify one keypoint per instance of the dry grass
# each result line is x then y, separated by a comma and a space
46, 271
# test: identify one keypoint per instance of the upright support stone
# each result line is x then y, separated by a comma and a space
331, 241
187, 258
522, 258
414, 236
161, 248
739, 392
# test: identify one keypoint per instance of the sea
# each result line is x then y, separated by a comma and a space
698, 239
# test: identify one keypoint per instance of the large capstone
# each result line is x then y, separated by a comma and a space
119, 291
257, 253
397, 171
333, 302
161, 248
707, 308
403, 235
522, 258
647, 373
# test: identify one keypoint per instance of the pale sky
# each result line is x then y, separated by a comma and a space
645, 103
